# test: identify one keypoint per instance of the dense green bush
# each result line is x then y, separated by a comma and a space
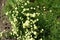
34, 20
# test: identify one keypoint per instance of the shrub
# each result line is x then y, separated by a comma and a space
34, 20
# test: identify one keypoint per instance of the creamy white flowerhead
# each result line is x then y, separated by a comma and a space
26, 24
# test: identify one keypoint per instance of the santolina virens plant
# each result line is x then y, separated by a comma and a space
33, 19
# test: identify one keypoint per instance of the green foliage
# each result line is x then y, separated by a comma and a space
34, 20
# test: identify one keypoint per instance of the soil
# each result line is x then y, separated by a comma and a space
4, 22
